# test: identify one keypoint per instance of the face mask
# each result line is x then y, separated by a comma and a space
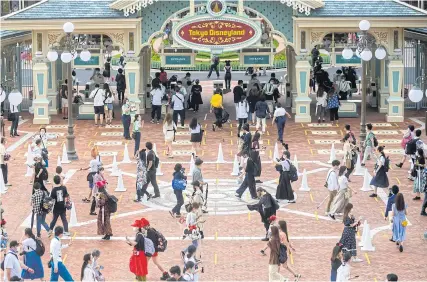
135, 229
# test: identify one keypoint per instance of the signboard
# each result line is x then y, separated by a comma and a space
228, 33
339, 59
177, 60
93, 62
256, 60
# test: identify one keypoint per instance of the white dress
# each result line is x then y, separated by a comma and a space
168, 131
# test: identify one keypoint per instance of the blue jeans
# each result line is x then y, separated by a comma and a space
41, 220
137, 142
126, 125
62, 271
179, 201
333, 275
280, 122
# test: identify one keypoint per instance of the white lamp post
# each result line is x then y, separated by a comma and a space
363, 51
69, 53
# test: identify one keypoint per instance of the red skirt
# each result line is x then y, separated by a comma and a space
138, 263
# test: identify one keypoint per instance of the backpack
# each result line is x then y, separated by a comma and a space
156, 161
353, 139
386, 164
268, 89
47, 203
179, 184
44, 175
283, 255
112, 203
411, 147
375, 141
2, 263
293, 173
40, 248
162, 243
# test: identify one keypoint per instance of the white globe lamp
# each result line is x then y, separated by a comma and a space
68, 27
364, 25
380, 53
66, 57
366, 55
15, 97
415, 95
52, 55
347, 53
85, 55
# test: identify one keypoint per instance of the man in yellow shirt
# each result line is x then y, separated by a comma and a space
217, 108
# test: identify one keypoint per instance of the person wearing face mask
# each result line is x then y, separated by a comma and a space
343, 87
175, 273
177, 104
126, 120
56, 265
87, 273
190, 272
12, 265
137, 133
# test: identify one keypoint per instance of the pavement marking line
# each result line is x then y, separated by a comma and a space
311, 150
305, 132
18, 143
96, 133
268, 142
308, 141
398, 181
216, 235
69, 174
249, 216
342, 134
367, 258
268, 133
226, 238
302, 125
376, 199
216, 259
317, 216
292, 259
119, 216
206, 115
375, 279
65, 258
74, 236
311, 197
308, 214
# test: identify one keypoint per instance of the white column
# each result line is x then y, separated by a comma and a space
302, 101
40, 89
384, 90
132, 73
395, 78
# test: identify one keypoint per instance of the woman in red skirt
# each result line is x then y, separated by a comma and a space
142, 248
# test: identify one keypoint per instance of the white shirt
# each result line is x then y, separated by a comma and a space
56, 250
343, 273
279, 112
109, 100
94, 165
196, 130
332, 180
14, 109
11, 262
89, 274
321, 101
178, 101
29, 245
99, 96
156, 96
343, 182
242, 109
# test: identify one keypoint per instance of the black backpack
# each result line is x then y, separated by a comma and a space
156, 161
283, 255
375, 141
162, 243
40, 248
112, 203
411, 147
386, 164
44, 175
293, 173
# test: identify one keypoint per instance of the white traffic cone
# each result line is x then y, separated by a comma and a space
366, 182
29, 171
3, 189
30, 159
235, 166
73, 217
120, 184
155, 149
333, 156
58, 162
295, 163
220, 158
276, 152
126, 159
367, 243
304, 184
27, 221
115, 167
64, 159
359, 170
159, 169
192, 165
364, 233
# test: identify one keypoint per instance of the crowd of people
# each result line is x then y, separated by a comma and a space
254, 104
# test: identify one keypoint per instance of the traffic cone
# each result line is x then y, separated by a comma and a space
58, 162
276, 152
235, 166
155, 149
64, 155
30, 159
3, 189
159, 169
29, 171
333, 156
359, 170
367, 243
27, 221
304, 184
73, 216
120, 184
295, 163
220, 158
115, 167
366, 182
192, 165
364, 233
126, 159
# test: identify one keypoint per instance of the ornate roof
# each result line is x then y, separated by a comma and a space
5, 34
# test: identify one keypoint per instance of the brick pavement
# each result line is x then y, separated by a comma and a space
225, 259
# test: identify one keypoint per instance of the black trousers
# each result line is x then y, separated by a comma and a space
424, 206
151, 178
63, 216
14, 126
249, 182
196, 107
213, 67
156, 110
93, 205
121, 94
227, 83
181, 113
242, 121
179, 201
333, 114
218, 116
4, 171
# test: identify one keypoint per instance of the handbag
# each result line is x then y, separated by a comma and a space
405, 222
327, 178
134, 135
348, 193
348, 161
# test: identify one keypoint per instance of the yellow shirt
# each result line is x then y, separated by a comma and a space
216, 101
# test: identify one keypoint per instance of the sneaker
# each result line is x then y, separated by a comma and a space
264, 239
332, 216
416, 198
356, 260
155, 196
297, 277
213, 127
149, 197
362, 164
165, 276
8, 184
423, 213
373, 195
399, 165
237, 195
172, 214
137, 200
258, 181
401, 248
93, 213
152, 121
66, 233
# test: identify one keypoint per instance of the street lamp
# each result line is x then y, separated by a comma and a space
363, 51
69, 53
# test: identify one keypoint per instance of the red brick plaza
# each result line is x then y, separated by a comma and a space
231, 248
